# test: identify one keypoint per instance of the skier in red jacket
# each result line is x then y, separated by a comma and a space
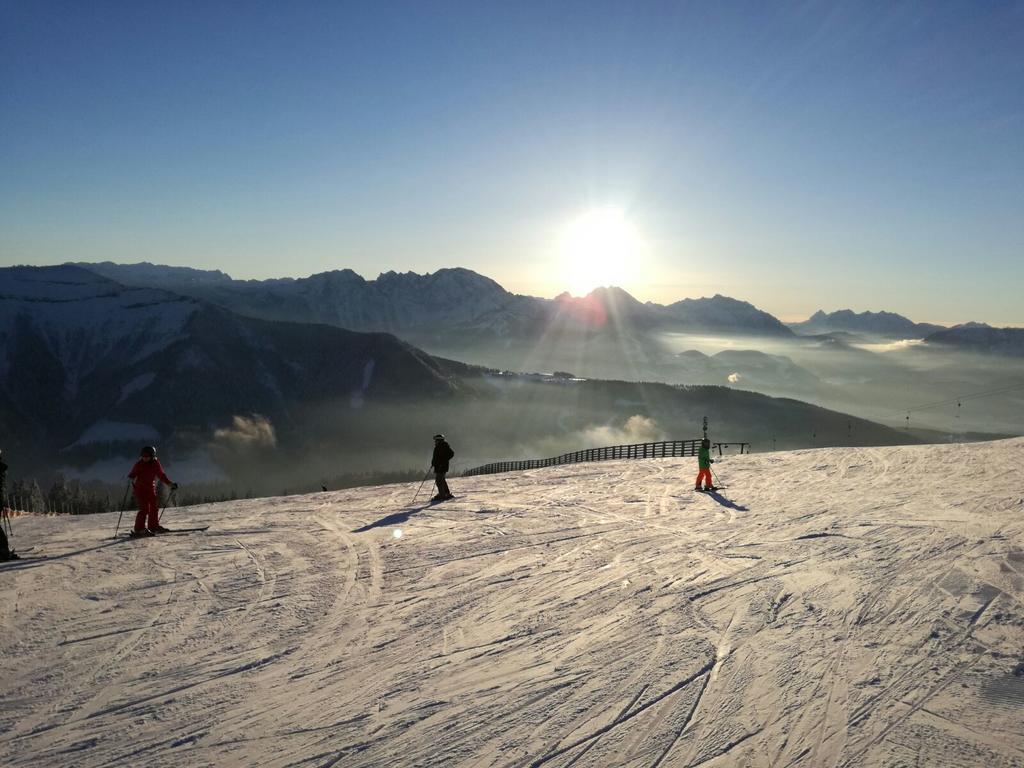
144, 474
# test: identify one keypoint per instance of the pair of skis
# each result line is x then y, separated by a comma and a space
165, 533
19, 556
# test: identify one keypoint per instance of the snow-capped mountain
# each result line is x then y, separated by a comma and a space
155, 275
63, 331
392, 303
727, 315
93, 369
453, 302
887, 324
86, 360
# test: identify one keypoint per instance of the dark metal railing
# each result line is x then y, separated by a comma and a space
661, 450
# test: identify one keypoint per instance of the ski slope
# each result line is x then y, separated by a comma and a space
836, 607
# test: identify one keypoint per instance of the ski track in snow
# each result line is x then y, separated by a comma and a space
838, 607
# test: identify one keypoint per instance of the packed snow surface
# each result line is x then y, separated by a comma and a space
839, 607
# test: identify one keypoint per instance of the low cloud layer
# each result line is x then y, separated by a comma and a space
250, 431
892, 346
636, 429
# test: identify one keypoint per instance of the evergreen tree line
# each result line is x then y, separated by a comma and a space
64, 497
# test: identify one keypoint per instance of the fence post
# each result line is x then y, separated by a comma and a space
654, 450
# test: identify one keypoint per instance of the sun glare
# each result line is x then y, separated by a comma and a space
598, 248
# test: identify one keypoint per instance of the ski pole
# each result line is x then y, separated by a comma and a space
6, 515
7, 520
124, 501
172, 494
420, 488
717, 481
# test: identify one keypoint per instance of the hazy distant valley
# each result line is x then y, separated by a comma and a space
871, 364
269, 386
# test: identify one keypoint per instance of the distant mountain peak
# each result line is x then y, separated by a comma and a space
339, 275
880, 323
972, 324
614, 294
460, 277
724, 313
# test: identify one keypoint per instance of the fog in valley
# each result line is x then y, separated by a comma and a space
275, 389
560, 395
876, 378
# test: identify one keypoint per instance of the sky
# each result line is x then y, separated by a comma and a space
797, 155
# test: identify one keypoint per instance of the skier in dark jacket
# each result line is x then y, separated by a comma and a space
144, 474
704, 462
439, 462
5, 549
3, 480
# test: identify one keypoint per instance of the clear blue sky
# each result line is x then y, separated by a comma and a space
796, 155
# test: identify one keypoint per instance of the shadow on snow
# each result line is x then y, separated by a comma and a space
394, 519
727, 503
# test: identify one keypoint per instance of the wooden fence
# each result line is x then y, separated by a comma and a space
664, 449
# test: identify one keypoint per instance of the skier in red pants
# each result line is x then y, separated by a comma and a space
144, 474
704, 462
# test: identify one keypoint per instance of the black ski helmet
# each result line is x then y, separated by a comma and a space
439, 437
148, 450
705, 443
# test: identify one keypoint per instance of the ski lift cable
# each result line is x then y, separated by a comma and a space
954, 400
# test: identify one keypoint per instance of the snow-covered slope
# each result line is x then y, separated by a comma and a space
840, 607
81, 319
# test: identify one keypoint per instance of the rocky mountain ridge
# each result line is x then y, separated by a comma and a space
450, 301
887, 324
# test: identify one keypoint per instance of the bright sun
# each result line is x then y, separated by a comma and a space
598, 248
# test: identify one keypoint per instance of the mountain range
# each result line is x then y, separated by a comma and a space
458, 302
886, 324
92, 368
87, 361
972, 336
450, 301
978, 337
